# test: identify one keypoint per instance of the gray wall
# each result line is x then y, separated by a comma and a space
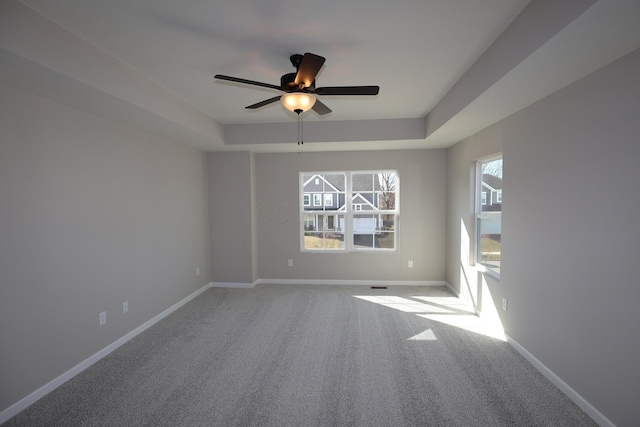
231, 206
421, 226
91, 214
570, 233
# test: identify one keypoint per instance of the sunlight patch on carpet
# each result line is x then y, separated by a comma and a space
447, 310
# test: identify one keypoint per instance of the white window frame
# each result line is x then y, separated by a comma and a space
306, 199
328, 199
317, 199
479, 215
347, 213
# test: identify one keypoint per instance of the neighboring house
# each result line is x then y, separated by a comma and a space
326, 193
491, 193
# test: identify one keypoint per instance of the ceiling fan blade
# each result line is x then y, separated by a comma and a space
245, 81
263, 103
308, 69
320, 108
348, 90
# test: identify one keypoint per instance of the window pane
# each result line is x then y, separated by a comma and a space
489, 243
323, 240
363, 241
313, 241
386, 232
491, 186
310, 223
387, 222
334, 241
334, 182
373, 231
367, 201
362, 182
387, 201
385, 240
387, 181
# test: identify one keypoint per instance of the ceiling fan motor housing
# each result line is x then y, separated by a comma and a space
288, 80
296, 60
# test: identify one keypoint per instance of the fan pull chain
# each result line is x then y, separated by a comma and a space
300, 127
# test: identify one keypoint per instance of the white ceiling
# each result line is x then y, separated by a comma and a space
446, 68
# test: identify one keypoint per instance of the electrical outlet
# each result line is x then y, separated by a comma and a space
410, 264
125, 306
290, 263
103, 318
505, 303
197, 271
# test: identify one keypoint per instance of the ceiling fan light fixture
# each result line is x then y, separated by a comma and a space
298, 101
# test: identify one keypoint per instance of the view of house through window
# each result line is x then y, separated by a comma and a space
351, 211
489, 213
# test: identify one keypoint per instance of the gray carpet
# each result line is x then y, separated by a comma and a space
281, 355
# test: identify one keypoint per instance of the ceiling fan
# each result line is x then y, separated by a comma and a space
300, 87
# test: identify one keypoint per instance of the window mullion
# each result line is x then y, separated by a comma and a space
348, 216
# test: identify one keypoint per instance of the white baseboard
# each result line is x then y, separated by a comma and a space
233, 285
27, 401
452, 289
351, 282
582, 403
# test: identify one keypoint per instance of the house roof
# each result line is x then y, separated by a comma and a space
335, 181
495, 182
360, 181
365, 182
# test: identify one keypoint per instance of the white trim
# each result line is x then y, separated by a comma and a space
582, 403
483, 269
487, 185
233, 285
351, 282
452, 289
29, 400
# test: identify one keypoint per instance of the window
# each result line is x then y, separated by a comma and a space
360, 211
306, 200
489, 213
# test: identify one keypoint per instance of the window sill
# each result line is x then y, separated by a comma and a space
343, 251
484, 270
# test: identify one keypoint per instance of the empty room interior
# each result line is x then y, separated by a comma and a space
150, 164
